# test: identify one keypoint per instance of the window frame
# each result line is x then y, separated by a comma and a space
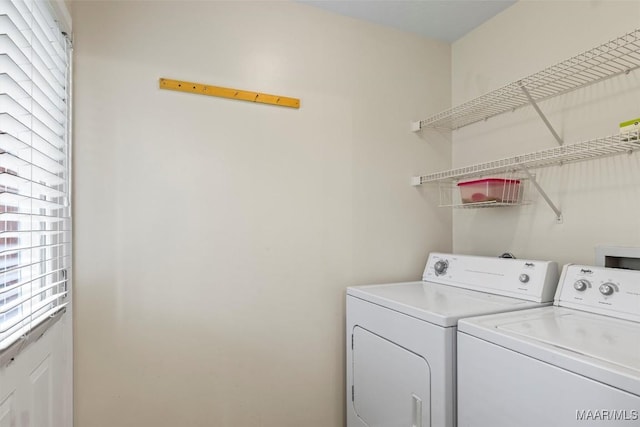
50, 245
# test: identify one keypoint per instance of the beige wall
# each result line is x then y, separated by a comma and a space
214, 238
599, 199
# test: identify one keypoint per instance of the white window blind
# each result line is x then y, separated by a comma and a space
35, 223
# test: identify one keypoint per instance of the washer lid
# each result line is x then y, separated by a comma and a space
603, 348
438, 304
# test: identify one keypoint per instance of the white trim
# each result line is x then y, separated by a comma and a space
63, 16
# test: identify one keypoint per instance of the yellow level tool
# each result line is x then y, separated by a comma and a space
226, 92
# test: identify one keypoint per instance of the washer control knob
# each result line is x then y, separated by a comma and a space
606, 289
440, 267
581, 285
524, 278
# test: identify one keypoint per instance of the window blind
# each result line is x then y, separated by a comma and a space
35, 212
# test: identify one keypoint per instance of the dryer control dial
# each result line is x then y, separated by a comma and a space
607, 289
581, 285
440, 267
524, 278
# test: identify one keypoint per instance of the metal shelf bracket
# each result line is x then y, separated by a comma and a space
540, 113
544, 195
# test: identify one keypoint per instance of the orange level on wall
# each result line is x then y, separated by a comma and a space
226, 92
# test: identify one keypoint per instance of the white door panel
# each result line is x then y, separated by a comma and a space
391, 383
7, 413
36, 388
42, 394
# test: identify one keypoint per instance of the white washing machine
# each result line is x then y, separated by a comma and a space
401, 338
576, 363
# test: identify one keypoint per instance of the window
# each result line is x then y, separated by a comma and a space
35, 221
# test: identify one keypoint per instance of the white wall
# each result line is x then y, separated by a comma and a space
214, 238
599, 199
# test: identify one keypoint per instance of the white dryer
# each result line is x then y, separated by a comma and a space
576, 363
401, 338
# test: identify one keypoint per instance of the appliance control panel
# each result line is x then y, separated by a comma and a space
526, 279
610, 291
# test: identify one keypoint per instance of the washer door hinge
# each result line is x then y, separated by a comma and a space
352, 393
352, 342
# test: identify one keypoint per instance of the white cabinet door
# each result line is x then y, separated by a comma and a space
390, 383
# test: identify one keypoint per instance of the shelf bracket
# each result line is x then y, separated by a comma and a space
540, 113
543, 194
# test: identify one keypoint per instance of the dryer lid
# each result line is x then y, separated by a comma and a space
438, 304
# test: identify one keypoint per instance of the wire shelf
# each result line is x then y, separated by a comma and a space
601, 147
618, 56
489, 204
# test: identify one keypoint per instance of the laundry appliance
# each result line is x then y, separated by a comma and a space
576, 363
401, 337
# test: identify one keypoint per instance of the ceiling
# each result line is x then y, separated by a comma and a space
446, 20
